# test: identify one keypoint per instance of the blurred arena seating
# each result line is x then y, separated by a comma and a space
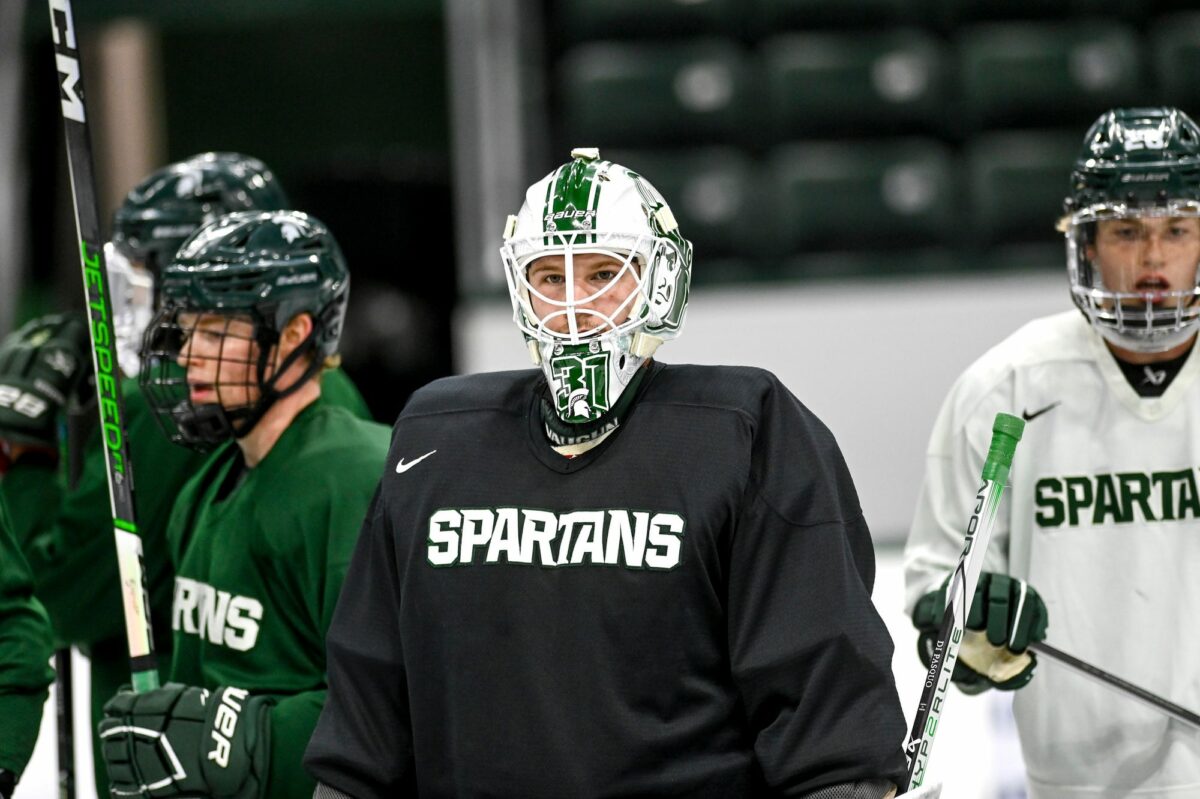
830, 138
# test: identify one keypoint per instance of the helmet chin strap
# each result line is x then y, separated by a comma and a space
243, 420
203, 427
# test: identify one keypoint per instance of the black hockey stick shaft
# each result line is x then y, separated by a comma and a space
1173, 710
1006, 432
64, 702
110, 404
64, 692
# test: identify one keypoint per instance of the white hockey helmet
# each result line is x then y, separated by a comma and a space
590, 350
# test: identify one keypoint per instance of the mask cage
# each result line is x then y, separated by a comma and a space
1142, 321
242, 353
637, 254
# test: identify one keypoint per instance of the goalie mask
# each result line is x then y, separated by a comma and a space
213, 355
598, 274
1132, 226
156, 217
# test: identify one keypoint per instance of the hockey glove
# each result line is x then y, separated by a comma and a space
179, 740
8, 781
1006, 616
40, 366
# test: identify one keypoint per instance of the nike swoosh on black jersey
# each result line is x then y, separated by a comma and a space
1027, 416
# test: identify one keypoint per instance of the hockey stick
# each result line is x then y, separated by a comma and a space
1112, 681
64, 681
1006, 432
64, 701
110, 404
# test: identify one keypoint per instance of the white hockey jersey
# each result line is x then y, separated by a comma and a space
1103, 519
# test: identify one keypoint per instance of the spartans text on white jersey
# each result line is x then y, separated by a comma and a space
1103, 519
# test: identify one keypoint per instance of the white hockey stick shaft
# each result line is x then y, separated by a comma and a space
1006, 432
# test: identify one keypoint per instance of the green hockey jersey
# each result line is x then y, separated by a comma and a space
68, 540
260, 556
24, 655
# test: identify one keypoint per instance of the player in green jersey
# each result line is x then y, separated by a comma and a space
66, 535
261, 536
24, 655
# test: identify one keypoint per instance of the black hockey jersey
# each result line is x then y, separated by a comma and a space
683, 610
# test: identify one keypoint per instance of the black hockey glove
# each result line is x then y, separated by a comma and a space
8, 781
41, 365
1007, 615
179, 740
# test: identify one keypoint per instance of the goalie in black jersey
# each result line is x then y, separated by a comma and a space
609, 576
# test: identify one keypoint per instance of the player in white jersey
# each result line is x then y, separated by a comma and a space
1103, 516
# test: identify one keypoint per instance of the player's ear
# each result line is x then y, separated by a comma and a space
295, 332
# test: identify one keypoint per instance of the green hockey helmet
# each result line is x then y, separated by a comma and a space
171, 203
157, 216
1139, 169
253, 273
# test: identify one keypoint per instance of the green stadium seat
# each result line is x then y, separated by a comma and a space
637, 95
1016, 184
882, 84
713, 192
959, 12
955, 13
591, 20
1174, 44
837, 196
1132, 11
1028, 74
775, 15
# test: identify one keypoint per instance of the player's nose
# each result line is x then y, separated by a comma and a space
1152, 250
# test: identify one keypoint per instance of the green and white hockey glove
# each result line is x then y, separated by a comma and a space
179, 740
41, 364
1007, 615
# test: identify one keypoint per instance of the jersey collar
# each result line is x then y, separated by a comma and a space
1150, 409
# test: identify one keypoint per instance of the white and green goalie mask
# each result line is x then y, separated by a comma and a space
598, 275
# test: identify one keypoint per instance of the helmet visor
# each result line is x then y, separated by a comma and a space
132, 290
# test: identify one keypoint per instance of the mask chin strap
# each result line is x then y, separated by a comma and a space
561, 433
